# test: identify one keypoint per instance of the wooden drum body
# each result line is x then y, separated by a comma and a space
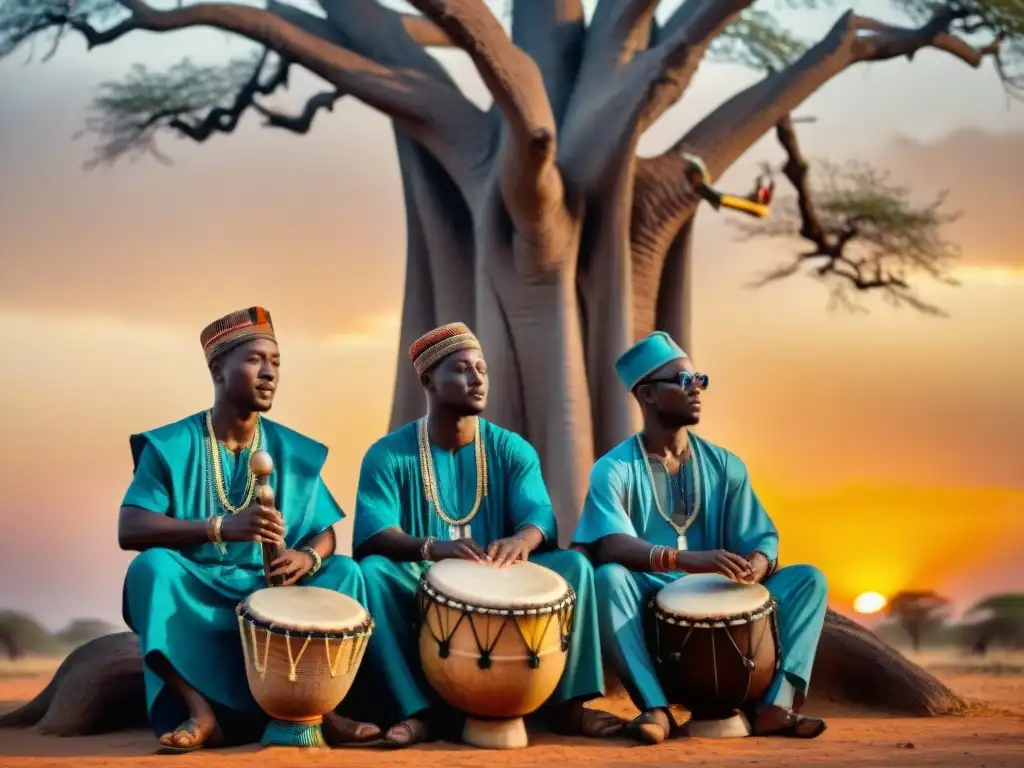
302, 648
493, 643
715, 648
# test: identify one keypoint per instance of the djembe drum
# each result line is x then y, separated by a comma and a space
493, 643
302, 648
715, 647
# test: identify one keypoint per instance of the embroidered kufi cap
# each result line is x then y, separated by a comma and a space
645, 357
234, 329
433, 346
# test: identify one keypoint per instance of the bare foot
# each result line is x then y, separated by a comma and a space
776, 721
340, 730
200, 730
406, 733
651, 727
574, 719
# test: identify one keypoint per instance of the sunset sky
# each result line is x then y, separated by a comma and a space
888, 446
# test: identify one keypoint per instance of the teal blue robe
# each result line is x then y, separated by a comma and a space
730, 517
390, 495
182, 602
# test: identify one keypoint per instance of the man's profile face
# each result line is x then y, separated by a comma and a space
249, 374
459, 382
662, 393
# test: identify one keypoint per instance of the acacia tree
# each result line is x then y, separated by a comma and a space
917, 613
534, 220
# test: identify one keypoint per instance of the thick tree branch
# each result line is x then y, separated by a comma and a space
725, 134
721, 137
425, 32
430, 111
552, 34
530, 179
619, 30
679, 51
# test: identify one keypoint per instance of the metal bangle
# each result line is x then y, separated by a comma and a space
425, 549
317, 560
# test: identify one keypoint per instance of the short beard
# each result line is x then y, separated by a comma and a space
462, 410
677, 421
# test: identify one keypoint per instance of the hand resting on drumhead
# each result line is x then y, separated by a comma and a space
513, 549
460, 549
715, 561
638, 555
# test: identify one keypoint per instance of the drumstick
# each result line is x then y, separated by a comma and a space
262, 465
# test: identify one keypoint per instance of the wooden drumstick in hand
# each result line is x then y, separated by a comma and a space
262, 465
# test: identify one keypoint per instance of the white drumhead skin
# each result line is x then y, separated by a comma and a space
517, 586
710, 595
312, 609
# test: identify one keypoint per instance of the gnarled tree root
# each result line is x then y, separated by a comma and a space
99, 687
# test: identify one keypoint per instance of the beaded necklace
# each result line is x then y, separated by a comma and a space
688, 517
458, 527
215, 473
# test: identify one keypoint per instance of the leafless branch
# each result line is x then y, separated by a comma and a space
552, 34
427, 109
530, 179
302, 122
865, 235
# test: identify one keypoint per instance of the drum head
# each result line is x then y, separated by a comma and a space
710, 595
311, 609
522, 585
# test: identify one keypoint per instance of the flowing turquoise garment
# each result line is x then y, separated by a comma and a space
390, 495
728, 516
182, 602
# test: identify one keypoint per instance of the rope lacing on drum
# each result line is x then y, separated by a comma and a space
261, 668
293, 663
443, 643
484, 662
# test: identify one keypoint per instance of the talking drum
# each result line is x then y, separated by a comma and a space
715, 648
302, 648
493, 643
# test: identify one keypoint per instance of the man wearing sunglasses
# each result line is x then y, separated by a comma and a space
665, 503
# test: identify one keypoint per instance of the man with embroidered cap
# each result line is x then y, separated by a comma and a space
191, 514
665, 503
454, 485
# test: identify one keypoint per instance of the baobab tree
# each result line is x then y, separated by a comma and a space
535, 220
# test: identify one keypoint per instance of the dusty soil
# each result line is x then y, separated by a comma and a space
991, 737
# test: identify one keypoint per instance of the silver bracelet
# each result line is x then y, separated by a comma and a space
425, 549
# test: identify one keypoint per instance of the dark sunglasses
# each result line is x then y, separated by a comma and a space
685, 379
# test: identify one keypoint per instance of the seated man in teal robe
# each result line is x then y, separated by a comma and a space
398, 532
191, 515
665, 503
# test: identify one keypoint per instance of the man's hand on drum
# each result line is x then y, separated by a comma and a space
759, 564
505, 552
716, 561
254, 523
460, 549
292, 565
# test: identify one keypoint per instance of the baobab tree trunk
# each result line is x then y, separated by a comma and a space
99, 689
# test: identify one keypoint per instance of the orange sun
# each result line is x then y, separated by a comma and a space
869, 602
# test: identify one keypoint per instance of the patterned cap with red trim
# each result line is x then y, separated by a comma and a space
234, 329
433, 346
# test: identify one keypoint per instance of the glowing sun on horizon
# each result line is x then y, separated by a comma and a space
869, 602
